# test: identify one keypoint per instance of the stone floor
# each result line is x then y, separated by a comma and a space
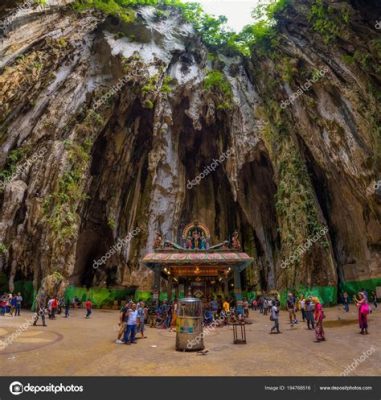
81, 347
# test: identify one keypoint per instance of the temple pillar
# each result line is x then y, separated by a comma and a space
169, 288
226, 288
177, 291
238, 289
156, 284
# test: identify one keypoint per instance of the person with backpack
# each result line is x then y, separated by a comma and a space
274, 316
363, 306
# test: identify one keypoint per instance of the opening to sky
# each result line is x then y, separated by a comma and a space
237, 12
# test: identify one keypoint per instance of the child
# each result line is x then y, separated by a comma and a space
88, 306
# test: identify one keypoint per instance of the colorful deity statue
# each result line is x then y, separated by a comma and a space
158, 243
203, 242
196, 236
196, 239
235, 241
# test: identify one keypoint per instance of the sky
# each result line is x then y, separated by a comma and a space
237, 12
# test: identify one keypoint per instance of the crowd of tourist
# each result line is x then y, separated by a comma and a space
312, 312
219, 311
132, 320
54, 306
11, 304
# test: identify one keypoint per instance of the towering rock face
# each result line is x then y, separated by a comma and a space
108, 126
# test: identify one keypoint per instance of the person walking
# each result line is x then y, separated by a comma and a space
3, 304
363, 307
274, 316
50, 310
346, 301
19, 301
174, 314
245, 305
13, 303
89, 306
309, 306
40, 310
291, 309
265, 306
213, 307
122, 324
302, 304
226, 306
132, 316
260, 304
54, 307
141, 318
67, 307
374, 297
319, 317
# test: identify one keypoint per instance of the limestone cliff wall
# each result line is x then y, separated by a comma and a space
104, 125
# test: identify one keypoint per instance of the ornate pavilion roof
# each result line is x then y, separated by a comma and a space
196, 257
196, 250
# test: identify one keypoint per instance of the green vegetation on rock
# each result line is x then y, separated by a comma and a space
3, 248
216, 83
212, 30
14, 157
60, 207
327, 20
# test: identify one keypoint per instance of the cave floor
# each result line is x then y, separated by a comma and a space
80, 347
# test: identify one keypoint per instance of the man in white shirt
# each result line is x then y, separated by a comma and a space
131, 316
275, 318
